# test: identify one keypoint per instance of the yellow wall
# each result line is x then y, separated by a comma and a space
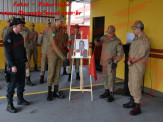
122, 14
38, 27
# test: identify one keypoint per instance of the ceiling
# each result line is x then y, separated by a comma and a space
87, 1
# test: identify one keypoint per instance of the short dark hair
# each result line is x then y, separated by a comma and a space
81, 41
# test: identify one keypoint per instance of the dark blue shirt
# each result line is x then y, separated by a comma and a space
14, 48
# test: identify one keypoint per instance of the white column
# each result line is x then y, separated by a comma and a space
69, 19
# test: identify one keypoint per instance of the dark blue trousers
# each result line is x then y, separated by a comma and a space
17, 81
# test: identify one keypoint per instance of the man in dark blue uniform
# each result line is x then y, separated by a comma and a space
17, 62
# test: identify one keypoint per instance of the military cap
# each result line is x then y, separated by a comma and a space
76, 26
8, 20
48, 21
32, 24
22, 18
137, 24
111, 29
17, 21
60, 17
12, 18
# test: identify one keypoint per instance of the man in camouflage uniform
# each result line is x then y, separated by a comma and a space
27, 44
71, 45
7, 29
55, 56
138, 56
3, 35
34, 39
112, 53
45, 43
65, 37
4, 29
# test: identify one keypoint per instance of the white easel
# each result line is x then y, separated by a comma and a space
81, 74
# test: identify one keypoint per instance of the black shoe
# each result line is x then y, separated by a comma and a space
130, 104
58, 94
41, 79
22, 101
29, 81
136, 110
10, 107
65, 72
77, 76
35, 69
50, 97
110, 98
105, 94
69, 77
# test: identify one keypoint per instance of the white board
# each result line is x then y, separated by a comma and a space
130, 37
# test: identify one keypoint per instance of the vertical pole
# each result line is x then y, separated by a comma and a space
81, 69
69, 19
72, 67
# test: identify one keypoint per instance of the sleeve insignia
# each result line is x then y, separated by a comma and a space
8, 40
53, 34
145, 40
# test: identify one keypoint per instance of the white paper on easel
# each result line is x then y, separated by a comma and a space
130, 37
81, 48
77, 54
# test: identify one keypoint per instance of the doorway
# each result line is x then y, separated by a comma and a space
98, 31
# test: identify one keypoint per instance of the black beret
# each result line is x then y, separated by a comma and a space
17, 21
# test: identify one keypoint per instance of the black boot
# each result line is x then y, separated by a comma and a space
50, 97
69, 77
57, 93
10, 107
22, 101
105, 94
41, 79
136, 110
64, 71
77, 76
110, 97
35, 69
130, 104
29, 81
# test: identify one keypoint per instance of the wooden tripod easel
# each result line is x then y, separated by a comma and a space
81, 74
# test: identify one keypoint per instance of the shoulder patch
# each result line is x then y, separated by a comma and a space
145, 40
8, 40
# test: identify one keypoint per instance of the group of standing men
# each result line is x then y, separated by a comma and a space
112, 53
20, 43
30, 38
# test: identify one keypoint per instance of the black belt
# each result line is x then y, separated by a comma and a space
19, 61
